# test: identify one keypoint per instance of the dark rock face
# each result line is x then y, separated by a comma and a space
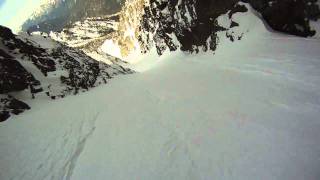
194, 22
37, 55
61, 69
10, 105
13, 76
4, 115
289, 16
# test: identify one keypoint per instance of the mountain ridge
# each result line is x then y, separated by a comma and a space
36, 66
190, 24
56, 16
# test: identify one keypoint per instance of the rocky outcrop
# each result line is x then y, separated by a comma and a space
191, 25
89, 35
13, 75
289, 16
9, 105
33, 66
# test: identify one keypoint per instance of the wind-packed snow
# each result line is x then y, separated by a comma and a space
251, 111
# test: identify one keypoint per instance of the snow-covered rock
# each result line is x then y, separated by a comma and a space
46, 68
89, 36
191, 25
289, 16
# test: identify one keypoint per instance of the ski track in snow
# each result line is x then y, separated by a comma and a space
56, 153
249, 112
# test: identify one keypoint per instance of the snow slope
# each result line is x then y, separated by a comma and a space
255, 116
251, 111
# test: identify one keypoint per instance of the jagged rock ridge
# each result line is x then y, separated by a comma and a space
37, 66
189, 25
89, 35
192, 25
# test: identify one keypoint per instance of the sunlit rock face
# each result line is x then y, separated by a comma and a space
129, 27
191, 25
34, 66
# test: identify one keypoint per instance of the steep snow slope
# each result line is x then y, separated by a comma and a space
242, 114
251, 111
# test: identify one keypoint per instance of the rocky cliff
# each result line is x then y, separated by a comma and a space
288, 16
189, 25
192, 25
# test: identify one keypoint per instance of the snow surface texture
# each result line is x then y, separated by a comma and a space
251, 111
